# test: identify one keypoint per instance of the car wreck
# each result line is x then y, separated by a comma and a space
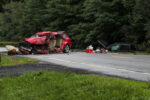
45, 43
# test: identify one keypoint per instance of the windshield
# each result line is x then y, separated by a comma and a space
38, 35
115, 47
64, 35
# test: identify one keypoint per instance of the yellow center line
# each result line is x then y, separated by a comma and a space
123, 57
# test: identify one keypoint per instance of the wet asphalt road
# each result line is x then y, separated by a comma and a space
135, 67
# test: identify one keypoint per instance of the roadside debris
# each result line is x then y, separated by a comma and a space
101, 50
104, 47
89, 49
12, 50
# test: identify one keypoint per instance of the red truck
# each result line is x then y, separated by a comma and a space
45, 43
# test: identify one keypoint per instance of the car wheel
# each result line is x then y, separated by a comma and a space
66, 49
33, 51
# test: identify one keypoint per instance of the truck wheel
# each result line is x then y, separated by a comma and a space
66, 49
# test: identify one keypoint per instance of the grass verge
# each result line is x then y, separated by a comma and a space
134, 53
6, 61
142, 53
69, 86
6, 42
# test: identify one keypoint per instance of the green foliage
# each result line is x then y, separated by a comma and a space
10, 21
69, 86
33, 16
85, 21
3, 2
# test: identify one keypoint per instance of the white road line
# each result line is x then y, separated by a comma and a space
88, 64
62, 60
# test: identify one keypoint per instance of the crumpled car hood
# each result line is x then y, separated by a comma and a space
36, 40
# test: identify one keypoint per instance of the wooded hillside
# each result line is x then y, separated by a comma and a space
85, 21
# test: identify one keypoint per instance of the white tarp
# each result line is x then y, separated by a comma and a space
11, 48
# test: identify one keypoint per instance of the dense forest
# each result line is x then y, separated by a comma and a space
85, 21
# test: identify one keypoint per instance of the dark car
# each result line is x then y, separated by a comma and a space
120, 47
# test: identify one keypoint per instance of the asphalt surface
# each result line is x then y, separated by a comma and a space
2, 49
135, 67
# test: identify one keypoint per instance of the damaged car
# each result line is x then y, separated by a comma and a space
45, 43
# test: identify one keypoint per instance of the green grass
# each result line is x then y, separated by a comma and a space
142, 53
134, 53
6, 61
7, 42
69, 86
4, 43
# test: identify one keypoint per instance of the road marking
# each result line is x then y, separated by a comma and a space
62, 60
123, 57
92, 65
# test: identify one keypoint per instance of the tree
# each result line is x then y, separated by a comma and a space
86, 21
3, 2
106, 18
10, 21
33, 17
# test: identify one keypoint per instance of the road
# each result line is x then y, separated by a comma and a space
135, 67
2, 49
